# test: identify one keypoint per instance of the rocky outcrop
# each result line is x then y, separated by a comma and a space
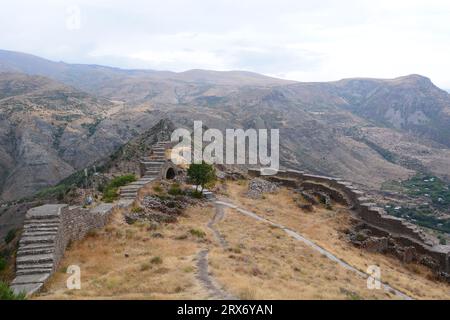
405, 234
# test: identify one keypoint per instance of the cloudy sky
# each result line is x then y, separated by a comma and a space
302, 40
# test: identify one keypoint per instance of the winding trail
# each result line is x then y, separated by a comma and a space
314, 246
203, 274
217, 218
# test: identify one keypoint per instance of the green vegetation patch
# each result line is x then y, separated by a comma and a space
3, 263
430, 187
423, 216
431, 192
7, 294
10, 235
110, 191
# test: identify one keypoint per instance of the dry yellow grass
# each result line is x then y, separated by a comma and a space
261, 262
325, 228
121, 261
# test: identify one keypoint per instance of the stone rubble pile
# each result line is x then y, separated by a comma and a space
257, 187
363, 237
159, 209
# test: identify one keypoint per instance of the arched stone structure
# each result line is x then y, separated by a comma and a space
170, 174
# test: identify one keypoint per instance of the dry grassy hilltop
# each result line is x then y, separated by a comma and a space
217, 252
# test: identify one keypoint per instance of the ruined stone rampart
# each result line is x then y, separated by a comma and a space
47, 232
367, 211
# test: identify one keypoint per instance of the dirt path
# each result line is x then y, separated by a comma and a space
219, 215
203, 274
312, 245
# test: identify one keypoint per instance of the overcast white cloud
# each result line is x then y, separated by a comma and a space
301, 40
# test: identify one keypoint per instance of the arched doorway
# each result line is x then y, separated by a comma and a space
170, 174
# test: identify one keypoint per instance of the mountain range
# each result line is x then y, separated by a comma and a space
57, 118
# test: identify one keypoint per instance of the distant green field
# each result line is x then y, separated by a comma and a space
430, 187
422, 186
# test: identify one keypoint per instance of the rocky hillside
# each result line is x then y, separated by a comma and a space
410, 103
365, 130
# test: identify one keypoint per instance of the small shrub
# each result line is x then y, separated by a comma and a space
175, 190
122, 181
2, 263
137, 210
60, 196
92, 233
10, 236
196, 194
145, 266
109, 195
110, 191
7, 294
156, 260
197, 233
188, 269
157, 189
236, 250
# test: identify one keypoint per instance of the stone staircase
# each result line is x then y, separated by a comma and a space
153, 165
47, 231
35, 260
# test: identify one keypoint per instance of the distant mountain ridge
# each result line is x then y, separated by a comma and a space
90, 77
60, 118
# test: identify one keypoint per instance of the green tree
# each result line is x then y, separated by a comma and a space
201, 174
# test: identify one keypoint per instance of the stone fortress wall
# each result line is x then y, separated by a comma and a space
50, 228
405, 233
47, 232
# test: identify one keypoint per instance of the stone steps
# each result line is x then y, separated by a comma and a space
38, 233
123, 193
28, 288
33, 251
32, 278
130, 193
152, 165
39, 228
36, 267
150, 162
35, 259
152, 177
134, 188
34, 221
52, 217
34, 270
152, 172
36, 239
